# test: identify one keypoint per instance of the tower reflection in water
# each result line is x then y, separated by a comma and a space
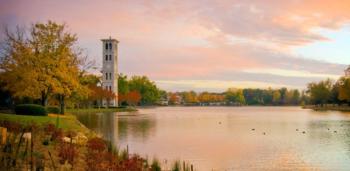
117, 127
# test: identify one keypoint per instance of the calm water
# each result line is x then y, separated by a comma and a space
221, 138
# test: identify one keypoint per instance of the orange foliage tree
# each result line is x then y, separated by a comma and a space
99, 94
133, 98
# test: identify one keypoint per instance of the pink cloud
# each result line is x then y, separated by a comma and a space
193, 39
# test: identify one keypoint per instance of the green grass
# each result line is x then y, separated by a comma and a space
66, 122
93, 110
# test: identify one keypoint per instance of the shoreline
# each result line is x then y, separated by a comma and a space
96, 110
328, 108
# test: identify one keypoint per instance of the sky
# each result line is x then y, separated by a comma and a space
206, 45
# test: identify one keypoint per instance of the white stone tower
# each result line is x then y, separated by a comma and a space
110, 68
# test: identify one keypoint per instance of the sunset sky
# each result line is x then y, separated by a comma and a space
206, 45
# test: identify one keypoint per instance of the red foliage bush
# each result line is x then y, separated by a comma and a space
67, 152
57, 135
49, 129
134, 163
95, 155
96, 144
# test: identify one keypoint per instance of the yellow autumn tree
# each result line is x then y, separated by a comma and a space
18, 66
43, 64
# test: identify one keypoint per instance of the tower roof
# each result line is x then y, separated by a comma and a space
110, 39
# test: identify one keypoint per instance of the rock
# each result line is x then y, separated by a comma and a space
27, 135
66, 139
80, 139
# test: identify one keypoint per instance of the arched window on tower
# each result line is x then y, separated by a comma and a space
106, 46
110, 57
106, 76
110, 76
110, 46
106, 57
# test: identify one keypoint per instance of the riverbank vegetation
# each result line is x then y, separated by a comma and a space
329, 95
39, 144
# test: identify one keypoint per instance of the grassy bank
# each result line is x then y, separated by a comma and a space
66, 122
328, 107
95, 110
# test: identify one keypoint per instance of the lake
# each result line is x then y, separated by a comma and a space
232, 138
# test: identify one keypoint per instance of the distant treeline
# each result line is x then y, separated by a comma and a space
233, 96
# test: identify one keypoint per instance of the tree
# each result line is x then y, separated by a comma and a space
89, 79
133, 98
122, 99
276, 97
190, 97
234, 96
96, 94
43, 64
253, 96
5, 97
123, 87
204, 97
149, 91
304, 99
296, 97
18, 67
267, 96
174, 99
99, 94
283, 93
344, 89
55, 47
292, 97
320, 93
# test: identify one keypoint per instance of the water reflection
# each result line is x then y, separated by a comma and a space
137, 127
119, 126
228, 138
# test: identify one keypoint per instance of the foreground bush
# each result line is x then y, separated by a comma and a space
53, 109
30, 109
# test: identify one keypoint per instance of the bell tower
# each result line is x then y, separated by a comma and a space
110, 68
